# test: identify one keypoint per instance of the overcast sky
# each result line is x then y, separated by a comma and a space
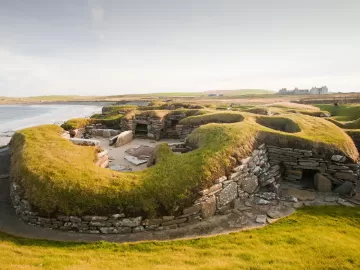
136, 46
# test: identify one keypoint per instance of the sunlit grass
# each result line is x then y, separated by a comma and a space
312, 238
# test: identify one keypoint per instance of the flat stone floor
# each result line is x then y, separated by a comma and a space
117, 154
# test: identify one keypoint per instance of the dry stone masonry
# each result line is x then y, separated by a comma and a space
254, 184
336, 174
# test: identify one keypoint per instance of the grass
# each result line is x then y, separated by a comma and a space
217, 117
312, 238
75, 123
111, 120
342, 112
279, 123
344, 116
159, 114
63, 178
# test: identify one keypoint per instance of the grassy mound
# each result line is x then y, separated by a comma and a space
325, 237
259, 110
76, 123
315, 113
342, 112
111, 120
279, 123
58, 176
218, 117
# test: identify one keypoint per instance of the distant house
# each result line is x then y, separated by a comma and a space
215, 95
319, 90
313, 91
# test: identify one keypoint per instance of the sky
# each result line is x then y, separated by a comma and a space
114, 47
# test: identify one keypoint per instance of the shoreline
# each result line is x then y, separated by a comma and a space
73, 102
6, 134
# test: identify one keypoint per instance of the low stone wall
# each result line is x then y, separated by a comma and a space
106, 133
256, 178
337, 174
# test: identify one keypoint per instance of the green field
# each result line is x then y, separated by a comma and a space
312, 238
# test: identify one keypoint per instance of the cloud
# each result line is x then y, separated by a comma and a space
97, 13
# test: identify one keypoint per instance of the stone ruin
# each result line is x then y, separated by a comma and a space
271, 182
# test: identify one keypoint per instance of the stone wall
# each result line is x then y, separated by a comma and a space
257, 179
154, 126
102, 132
337, 174
183, 131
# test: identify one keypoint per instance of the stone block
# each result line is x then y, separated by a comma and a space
138, 229
74, 219
345, 188
208, 207
107, 230
167, 218
124, 138
249, 184
174, 221
302, 195
151, 222
261, 219
94, 218
280, 211
192, 210
220, 180
322, 183
346, 176
338, 158
106, 133
228, 194
128, 222
245, 160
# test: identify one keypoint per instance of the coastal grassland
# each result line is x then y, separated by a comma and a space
324, 237
75, 123
61, 177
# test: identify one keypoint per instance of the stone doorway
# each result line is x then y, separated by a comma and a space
174, 123
141, 130
308, 178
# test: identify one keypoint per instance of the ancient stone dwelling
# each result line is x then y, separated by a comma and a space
257, 182
158, 126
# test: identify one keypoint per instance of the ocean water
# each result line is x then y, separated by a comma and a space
16, 117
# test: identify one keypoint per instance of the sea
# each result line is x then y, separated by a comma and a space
17, 117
